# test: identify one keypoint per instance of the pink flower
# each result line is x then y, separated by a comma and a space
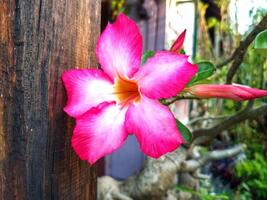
178, 44
123, 98
235, 92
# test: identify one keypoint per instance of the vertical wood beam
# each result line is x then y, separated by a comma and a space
39, 39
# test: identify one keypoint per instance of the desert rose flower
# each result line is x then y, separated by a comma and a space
235, 92
122, 99
178, 44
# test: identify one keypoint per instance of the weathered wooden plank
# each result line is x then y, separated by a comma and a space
39, 39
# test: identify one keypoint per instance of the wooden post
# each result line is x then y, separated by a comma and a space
39, 39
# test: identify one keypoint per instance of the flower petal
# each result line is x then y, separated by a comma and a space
99, 132
86, 88
156, 132
235, 92
119, 48
165, 75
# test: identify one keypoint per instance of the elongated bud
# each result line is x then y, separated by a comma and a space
235, 92
178, 44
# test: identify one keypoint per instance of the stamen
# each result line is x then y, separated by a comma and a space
126, 91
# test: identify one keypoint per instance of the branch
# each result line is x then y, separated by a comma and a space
225, 62
198, 175
197, 119
172, 100
156, 177
194, 164
240, 52
159, 175
120, 196
245, 114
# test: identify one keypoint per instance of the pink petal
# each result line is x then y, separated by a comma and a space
119, 48
234, 92
86, 88
178, 44
99, 132
164, 75
154, 126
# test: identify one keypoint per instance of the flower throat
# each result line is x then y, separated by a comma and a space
126, 91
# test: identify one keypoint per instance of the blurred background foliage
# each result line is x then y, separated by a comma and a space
245, 177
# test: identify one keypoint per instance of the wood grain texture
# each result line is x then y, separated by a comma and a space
39, 39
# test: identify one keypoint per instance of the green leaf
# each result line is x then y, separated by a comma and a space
186, 189
205, 70
185, 132
182, 52
147, 55
260, 44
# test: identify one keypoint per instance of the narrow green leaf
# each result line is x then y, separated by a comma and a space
185, 132
260, 44
205, 70
147, 55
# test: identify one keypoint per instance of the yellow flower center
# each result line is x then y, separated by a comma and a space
126, 91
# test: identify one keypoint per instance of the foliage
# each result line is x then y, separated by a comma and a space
203, 193
253, 175
205, 70
261, 42
185, 132
146, 55
118, 6
253, 71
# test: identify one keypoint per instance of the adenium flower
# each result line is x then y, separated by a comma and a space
123, 98
235, 92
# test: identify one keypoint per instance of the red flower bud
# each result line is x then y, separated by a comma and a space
235, 92
178, 44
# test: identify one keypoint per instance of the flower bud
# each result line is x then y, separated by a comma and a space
235, 92
178, 44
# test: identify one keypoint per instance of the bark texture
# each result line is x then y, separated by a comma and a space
39, 39
159, 176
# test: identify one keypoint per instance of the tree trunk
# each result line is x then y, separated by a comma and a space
39, 39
